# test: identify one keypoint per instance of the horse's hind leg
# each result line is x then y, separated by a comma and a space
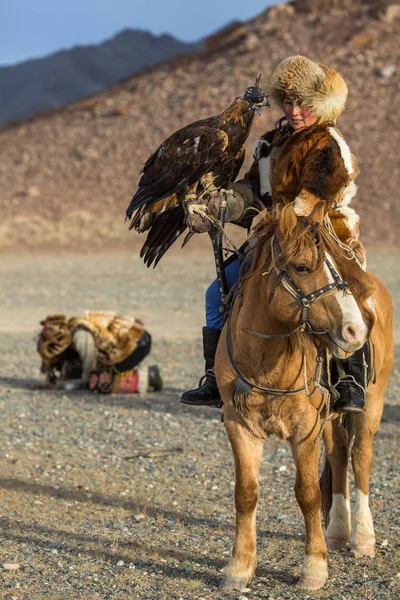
338, 530
247, 451
314, 571
366, 425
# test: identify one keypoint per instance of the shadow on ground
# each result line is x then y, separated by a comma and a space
165, 401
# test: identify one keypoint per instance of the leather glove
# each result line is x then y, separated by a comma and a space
197, 213
238, 197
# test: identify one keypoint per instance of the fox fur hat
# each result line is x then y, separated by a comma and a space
317, 87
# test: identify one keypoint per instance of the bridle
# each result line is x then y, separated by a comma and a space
305, 300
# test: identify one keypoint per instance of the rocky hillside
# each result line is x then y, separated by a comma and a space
68, 176
36, 86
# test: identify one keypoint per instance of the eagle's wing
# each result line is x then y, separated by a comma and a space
178, 162
229, 172
166, 220
230, 169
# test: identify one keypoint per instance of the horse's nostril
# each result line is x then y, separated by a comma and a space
354, 334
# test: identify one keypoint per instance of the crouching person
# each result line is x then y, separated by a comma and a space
99, 351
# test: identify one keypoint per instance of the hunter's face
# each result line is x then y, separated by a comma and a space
297, 116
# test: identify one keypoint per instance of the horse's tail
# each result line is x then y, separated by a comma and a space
325, 482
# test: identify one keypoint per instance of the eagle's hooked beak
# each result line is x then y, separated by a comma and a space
257, 107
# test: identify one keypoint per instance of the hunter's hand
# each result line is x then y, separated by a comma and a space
197, 214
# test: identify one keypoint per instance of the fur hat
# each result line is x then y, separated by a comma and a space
317, 87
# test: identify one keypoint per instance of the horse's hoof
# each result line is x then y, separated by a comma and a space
336, 543
232, 582
306, 582
360, 551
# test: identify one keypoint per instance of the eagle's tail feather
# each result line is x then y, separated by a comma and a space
166, 228
172, 238
141, 197
188, 237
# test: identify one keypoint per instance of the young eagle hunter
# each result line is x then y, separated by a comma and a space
194, 161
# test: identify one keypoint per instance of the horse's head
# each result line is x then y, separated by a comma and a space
314, 286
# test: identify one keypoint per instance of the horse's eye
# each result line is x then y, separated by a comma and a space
302, 268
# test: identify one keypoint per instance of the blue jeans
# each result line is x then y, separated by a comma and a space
214, 316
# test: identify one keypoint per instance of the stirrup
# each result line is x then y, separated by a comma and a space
347, 403
194, 397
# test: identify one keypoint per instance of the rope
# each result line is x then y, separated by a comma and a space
217, 223
345, 247
326, 395
242, 377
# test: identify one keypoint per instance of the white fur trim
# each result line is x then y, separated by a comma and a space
352, 218
258, 146
264, 167
344, 149
347, 193
143, 383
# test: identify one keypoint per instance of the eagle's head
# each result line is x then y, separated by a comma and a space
256, 97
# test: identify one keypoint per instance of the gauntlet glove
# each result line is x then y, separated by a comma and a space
238, 197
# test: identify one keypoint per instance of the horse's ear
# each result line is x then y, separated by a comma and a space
318, 212
287, 221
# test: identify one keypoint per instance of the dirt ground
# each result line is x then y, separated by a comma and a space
85, 518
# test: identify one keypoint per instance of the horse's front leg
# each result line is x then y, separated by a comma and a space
314, 571
247, 451
365, 425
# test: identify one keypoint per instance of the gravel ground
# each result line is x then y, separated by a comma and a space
84, 517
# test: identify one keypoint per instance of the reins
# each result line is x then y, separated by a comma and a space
304, 326
272, 391
305, 300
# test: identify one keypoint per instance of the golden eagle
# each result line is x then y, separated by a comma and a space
192, 162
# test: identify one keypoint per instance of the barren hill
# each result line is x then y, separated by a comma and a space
68, 176
39, 85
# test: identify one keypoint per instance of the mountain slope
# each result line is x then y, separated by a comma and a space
40, 85
68, 176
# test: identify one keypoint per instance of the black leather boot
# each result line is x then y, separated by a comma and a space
353, 378
207, 393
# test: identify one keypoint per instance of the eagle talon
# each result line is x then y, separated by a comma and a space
197, 209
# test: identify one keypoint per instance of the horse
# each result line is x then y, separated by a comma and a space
291, 313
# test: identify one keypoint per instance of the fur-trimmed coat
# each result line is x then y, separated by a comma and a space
115, 337
306, 166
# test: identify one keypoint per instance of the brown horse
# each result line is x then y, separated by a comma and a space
291, 309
